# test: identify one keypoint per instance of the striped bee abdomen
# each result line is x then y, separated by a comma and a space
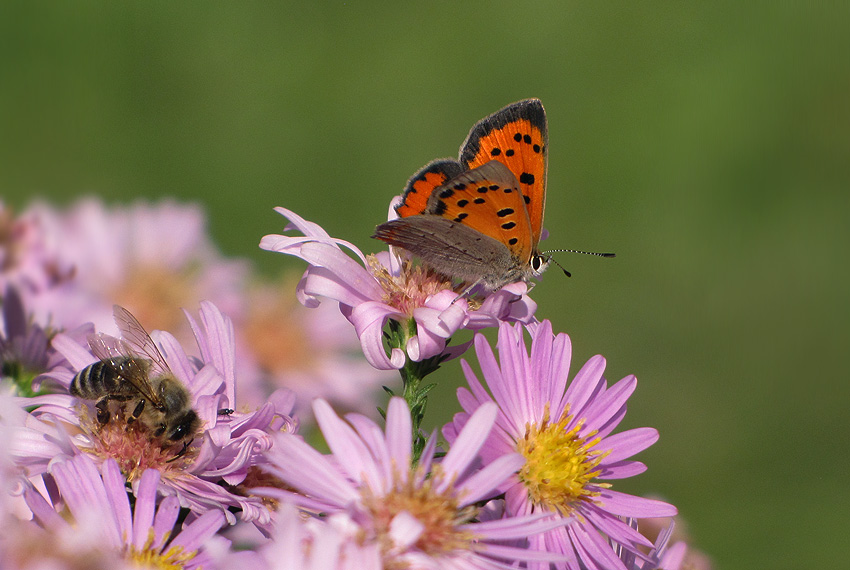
107, 378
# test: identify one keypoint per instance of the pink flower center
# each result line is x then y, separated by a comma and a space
437, 512
413, 285
135, 447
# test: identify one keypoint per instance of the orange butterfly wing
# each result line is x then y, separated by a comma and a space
488, 200
422, 184
517, 137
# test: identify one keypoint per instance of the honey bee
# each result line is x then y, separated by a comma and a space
133, 371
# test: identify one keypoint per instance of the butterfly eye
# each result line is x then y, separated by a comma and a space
539, 263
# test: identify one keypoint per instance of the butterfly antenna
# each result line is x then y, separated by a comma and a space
579, 251
552, 260
567, 273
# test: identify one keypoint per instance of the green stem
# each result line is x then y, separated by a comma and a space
412, 374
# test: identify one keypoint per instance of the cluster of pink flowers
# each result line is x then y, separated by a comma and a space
94, 474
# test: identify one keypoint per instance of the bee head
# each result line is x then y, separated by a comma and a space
185, 425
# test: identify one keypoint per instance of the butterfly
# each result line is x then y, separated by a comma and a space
479, 218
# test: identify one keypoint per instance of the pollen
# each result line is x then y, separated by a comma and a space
560, 464
438, 513
134, 447
173, 558
413, 285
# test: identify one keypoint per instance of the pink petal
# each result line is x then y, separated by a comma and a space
399, 431
482, 484
145, 505
353, 456
625, 505
587, 383
620, 470
468, 443
625, 444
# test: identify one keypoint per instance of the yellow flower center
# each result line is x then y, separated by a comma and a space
175, 558
559, 463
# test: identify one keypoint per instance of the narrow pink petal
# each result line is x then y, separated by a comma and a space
511, 553
145, 506
353, 455
475, 386
625, 444
674, 557
166, 516
344, 267
587, 383
516, 371
405, 530
625, 505
608, 404
498, 381
204, 527
399, 432
425, 344
369, 320
467, 401
540, 376
468, 443
208, 381
42, 511
307, 228
426, 459
325, 282
375, 440
605, 429
594, 551
116, 493
517, 502
482, 484
615, 528
621, 470
304, 468
78, 357
559, 373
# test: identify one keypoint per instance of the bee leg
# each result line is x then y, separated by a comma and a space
102, 407
137, 411
182, 452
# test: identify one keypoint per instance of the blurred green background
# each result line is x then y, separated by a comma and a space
707, 145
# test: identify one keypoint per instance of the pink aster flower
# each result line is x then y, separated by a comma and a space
423, 516
388, 286
564, 433
151, 258
212, 472
107, 532
312, 352
27, 261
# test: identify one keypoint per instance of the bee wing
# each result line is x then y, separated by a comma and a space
107, 347
134, 335
128, 365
